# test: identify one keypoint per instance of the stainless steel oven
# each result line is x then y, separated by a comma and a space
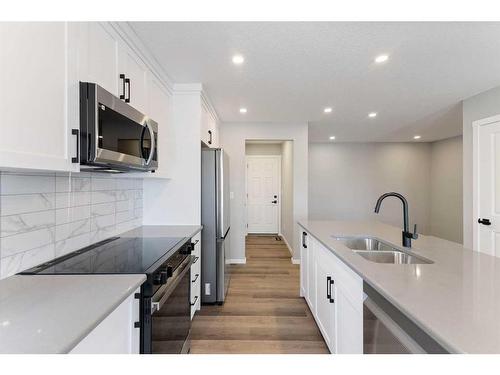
114, 136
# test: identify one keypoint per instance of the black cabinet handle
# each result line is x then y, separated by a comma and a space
210, 139
329, 283
122, 95
195, 259
304, 234
194, 302
196, 278
484, 221
127, 81
76, 132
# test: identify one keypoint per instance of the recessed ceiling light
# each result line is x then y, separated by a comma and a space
332, 138
372, 114
328, 110
238, 59
381, 58
417, 137
243, 110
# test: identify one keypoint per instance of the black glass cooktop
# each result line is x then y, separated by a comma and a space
113, 256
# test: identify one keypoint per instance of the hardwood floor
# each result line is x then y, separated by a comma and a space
263, 312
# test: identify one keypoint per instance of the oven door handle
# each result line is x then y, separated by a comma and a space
161, 296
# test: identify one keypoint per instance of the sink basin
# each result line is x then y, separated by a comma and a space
379, 251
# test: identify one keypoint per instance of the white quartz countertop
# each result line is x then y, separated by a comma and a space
52, 314
456, 300
163, 231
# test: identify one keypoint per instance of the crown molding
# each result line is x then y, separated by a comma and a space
130, 37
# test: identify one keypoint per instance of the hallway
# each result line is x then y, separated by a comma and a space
263, 313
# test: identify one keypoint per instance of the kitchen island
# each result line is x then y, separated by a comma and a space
455, 299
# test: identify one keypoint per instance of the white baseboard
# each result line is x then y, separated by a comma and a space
286, 243
295, 261
236, 261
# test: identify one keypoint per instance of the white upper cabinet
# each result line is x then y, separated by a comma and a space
209, 129
159, 108
36, 78
135, 73
102, 58
41, 65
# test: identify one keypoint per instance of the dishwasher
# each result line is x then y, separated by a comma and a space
386, 330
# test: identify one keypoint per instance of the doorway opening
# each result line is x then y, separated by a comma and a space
269, 189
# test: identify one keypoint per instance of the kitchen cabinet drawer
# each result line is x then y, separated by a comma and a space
195, 294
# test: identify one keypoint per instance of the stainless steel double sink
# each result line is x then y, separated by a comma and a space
379, 251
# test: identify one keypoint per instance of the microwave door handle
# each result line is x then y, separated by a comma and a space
153, 144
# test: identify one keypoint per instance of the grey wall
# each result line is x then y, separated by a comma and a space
481, 106
287, 191
345, 180
446, 189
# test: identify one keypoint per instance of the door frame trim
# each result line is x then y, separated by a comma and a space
475, 175
280, 193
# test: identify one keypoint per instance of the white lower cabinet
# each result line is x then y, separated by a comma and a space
334, 294
196, 276
325, 297
116, 334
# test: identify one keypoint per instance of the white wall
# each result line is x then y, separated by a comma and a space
345, 180
177, 201
446, 189
480, 106
233, 136
263, 149
287, 191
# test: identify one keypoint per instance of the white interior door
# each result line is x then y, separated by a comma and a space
263, 193
487, 186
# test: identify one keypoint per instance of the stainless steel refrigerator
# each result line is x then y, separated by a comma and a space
215, 220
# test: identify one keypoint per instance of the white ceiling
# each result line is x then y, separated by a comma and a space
293, 70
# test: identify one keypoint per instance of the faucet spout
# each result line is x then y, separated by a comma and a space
407, 235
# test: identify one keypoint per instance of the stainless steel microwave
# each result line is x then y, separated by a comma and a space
114, 136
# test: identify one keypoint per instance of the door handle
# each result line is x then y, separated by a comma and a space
329, 283
127, 99
122, 95
275, 201
210, 135
76, 132
484, 221
304, 234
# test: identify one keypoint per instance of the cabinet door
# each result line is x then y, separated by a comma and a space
214, 134
116, 334
102, 59
205, 127
159, 102
326, 299
35, 132
135, 70
304, 288
311, 273
350, 325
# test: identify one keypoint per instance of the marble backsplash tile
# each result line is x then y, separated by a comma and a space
46, 215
